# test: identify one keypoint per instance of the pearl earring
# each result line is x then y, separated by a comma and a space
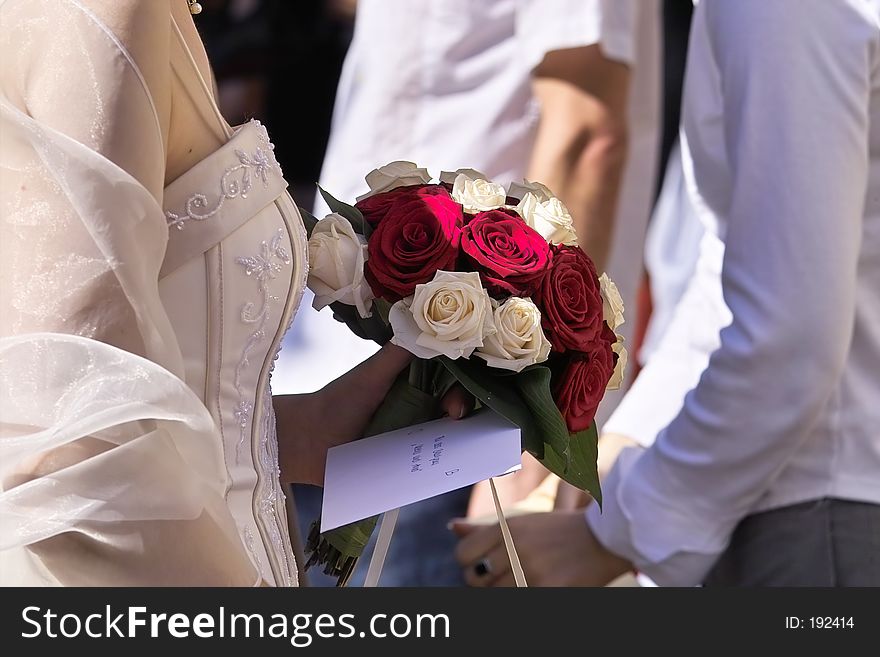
194, 7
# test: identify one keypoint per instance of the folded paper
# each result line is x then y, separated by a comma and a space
390, 470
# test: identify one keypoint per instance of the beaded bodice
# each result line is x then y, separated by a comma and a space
233, 276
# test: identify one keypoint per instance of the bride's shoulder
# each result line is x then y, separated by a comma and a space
133, 26
130, 21
120, 17
87, 39
110, 56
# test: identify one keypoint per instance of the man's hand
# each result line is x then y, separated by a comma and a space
556, 549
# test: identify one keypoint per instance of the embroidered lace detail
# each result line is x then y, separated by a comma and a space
249, 543
236, 182
270, 496
263, 267
274, 494
270, 261
300, 292
243, 412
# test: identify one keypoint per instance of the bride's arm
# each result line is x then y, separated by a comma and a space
310, 424
110, 467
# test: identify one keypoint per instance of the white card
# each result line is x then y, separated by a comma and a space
373, 475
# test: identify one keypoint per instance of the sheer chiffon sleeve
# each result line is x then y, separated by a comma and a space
111, 469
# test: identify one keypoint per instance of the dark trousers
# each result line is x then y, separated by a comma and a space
827, 542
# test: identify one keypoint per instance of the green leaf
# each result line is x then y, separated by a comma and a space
351, 539
499, 394
309, 220
383, 308
579, 468
526, 401
443, 381
534, 386
367, 328
354, 216
403, 406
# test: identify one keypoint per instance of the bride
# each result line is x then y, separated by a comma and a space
150, 262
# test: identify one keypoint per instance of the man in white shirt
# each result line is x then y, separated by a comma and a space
561, 91
770, 472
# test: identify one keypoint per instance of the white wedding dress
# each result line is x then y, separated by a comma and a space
140, 317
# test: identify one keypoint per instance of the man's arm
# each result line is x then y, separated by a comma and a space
796, 84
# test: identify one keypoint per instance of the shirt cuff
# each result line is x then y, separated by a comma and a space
653, 541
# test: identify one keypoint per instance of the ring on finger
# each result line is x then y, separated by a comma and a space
483, 567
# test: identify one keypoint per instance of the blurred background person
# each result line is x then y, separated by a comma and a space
566, 92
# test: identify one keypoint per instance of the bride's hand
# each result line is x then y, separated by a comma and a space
308, 425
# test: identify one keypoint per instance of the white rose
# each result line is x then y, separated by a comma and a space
519, 340
337, 255
450, 316
550, 218
620, 368
542, 192
394, 175
449, 177
477, 195
612, 304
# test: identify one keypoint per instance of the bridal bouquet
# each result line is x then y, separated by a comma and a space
488, 288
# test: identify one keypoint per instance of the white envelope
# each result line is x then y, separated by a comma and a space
370, 476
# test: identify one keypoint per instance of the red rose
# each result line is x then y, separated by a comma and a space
419, 234
570, 300
511, 257
375, 207
582, 384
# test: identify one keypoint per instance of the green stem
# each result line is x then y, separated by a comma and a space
415, 374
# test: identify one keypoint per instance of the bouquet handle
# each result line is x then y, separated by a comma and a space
383, 542
515, 566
